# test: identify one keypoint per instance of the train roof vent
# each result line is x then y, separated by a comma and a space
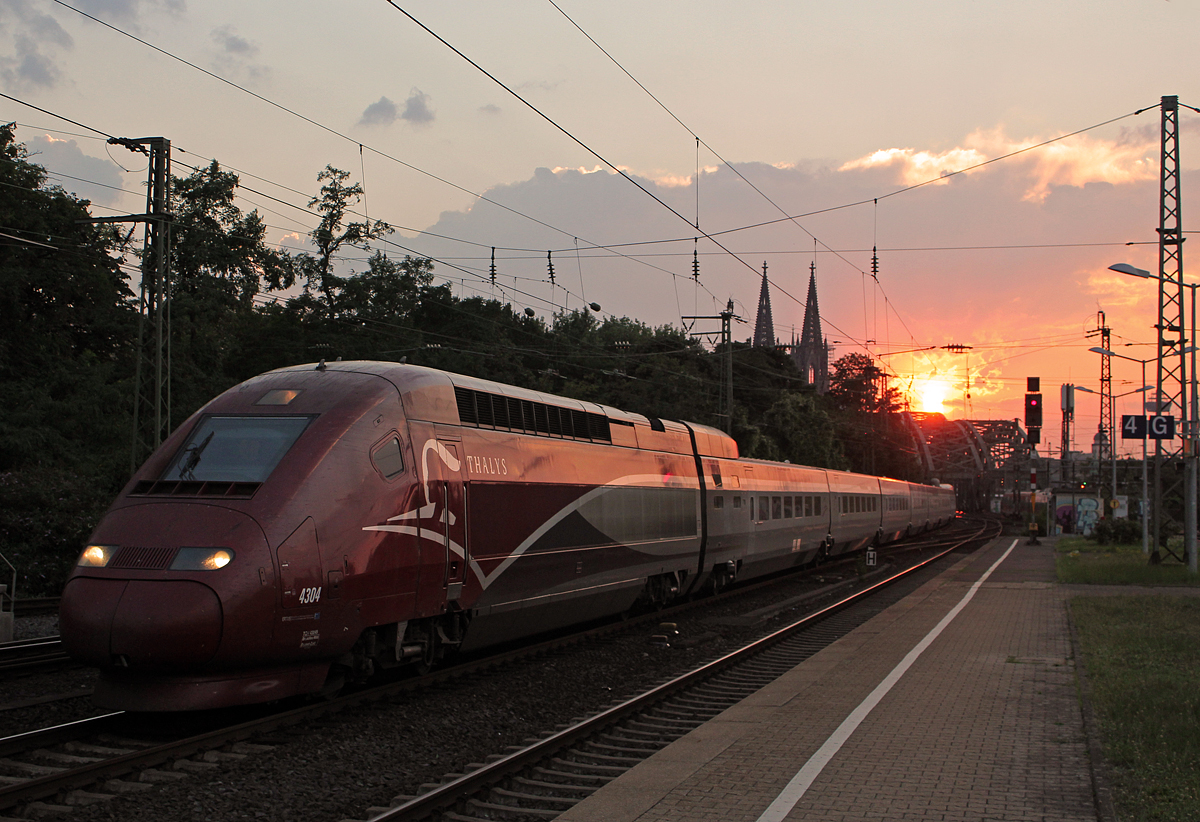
466, 405
481, 409
192, 488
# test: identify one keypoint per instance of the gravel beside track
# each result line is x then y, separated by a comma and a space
34, 687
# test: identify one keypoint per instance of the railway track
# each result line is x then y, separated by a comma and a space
94, 759
551, 775
26, 655
35, 606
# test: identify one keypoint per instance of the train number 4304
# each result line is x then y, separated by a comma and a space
310, 595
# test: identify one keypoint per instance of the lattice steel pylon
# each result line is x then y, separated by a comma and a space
1169, 481
152, 405
1108, 442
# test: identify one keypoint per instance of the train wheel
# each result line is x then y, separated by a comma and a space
425, 662
720, 581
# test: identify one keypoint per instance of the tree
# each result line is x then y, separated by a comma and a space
858, 384
66, 318
388, 291
212, 237
219, 262
803, 432
66, 325
870, 430
334, 202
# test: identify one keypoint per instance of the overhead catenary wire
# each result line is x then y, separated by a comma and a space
1029, 148
311, 121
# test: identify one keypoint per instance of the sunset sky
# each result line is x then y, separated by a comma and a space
818, 107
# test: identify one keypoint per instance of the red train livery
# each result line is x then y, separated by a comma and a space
317, 523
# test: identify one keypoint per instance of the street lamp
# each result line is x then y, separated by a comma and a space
1191, 430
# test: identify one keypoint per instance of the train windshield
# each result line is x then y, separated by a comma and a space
235, 449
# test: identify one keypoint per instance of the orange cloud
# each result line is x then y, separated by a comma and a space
918, 166
1073, 161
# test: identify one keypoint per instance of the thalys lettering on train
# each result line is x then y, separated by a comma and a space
319, 523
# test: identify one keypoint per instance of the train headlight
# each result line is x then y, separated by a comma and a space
96, 556
201, 559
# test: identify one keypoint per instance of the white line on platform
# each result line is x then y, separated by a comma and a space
800, 783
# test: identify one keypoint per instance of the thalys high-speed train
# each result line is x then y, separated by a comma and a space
320, 522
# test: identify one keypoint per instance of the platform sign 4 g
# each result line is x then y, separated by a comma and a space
1134, 427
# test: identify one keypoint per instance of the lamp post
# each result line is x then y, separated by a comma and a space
1145, 476
1191, 425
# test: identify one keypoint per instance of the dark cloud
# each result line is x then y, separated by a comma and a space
538, 85
30, 69
34, 35
490, 108
416, 108
84, 176
126, 11
236, 54
381, 113
233, 43
384, 112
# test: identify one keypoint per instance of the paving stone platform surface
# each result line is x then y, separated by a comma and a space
984, 725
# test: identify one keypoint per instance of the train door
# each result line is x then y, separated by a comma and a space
442, 521
454, 517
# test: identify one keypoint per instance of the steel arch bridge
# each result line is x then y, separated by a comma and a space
980, 458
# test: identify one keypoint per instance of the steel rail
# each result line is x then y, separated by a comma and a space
24, 654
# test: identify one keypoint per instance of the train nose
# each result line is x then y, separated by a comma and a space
162, 624
145, 597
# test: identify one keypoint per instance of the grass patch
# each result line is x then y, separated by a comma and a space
1142, 655
1081, 560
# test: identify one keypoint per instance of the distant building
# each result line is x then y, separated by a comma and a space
811, 354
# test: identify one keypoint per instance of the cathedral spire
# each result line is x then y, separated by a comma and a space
812, 354
764, 326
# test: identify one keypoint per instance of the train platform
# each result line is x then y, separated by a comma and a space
957, 703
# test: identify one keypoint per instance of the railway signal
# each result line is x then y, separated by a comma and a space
1033, 410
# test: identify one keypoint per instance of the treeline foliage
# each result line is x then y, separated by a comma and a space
240, 307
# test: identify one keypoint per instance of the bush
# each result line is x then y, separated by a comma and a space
1117, 532
46, 516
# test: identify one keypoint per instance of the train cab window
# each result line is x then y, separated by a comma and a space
737, 502
787, 507
389, 458
808, 506
235, 449
776, 507
718, 502
816, 506
764, 509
